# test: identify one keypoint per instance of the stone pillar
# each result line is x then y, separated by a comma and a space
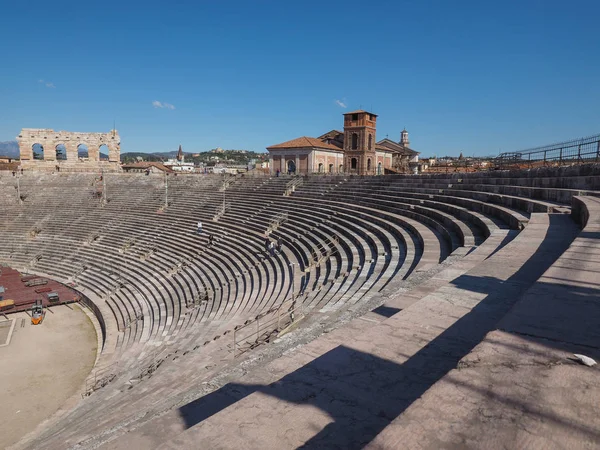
71, 150
93, 152
49, 150
114, 152
25, 150
297, 163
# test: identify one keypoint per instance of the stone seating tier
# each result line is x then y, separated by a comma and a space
144, 264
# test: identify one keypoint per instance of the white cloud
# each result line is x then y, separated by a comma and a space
48, 84
158, 104
341, 103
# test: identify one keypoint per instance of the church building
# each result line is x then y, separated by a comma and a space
354, 151
178, 164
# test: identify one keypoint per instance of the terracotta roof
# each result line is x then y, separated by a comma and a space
304, 142
146, 164
330, 134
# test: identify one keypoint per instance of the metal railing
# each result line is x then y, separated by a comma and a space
291, 185
576, 151
221, 210
100, 378
277, 221
227, 182
322, 252
258, 331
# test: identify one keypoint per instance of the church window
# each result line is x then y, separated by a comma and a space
370, 142
354, 116
354, 163
354, 141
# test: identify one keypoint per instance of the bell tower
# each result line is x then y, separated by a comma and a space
359, 142
404, 138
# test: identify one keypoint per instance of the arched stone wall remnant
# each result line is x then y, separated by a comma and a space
50, 139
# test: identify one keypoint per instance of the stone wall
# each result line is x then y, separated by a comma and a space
50, 140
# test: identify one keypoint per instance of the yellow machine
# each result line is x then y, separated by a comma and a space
37, 313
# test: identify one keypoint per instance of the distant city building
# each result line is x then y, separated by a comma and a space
354, 150
178, 163
147, 167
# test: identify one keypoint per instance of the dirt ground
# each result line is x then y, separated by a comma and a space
42, 367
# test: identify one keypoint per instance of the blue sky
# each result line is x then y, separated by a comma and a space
470, 76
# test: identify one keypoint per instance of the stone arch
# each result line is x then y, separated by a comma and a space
60, 151
320, 169
38, 151
354, 164
341, 168
291, 166
83, 150
330, 168
103, 153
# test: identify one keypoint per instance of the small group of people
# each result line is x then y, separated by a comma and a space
211, 239
271, 246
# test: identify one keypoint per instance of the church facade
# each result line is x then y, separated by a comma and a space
354, 151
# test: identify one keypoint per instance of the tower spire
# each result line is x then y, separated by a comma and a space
404, 138
180, 154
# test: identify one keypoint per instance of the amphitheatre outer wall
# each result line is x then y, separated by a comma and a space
68, 159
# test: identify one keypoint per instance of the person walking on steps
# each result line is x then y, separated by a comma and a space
279, 244
267, 243
272, 249
199, 227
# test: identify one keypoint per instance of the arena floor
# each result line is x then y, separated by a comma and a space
42, 367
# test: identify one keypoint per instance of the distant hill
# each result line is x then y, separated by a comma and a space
228, 156
132, 156
10, 149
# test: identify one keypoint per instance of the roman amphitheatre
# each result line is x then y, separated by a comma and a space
425, 311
